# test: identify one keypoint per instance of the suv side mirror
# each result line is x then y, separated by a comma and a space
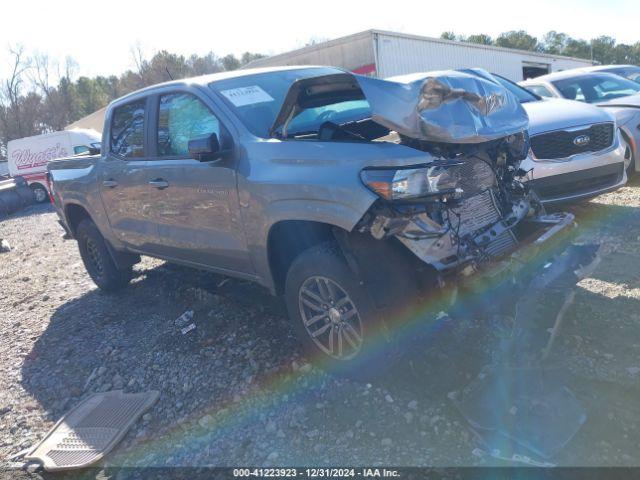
205, 148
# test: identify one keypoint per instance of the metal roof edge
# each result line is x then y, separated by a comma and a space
310, 48
475, 45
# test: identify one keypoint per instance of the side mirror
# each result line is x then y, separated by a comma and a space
205, 148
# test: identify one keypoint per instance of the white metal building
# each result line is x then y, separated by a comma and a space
385, 54
93, 121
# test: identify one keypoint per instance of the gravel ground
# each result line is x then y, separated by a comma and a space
235, 390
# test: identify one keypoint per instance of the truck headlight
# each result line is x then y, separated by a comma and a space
408, 183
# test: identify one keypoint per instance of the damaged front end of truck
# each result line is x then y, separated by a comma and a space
467, 203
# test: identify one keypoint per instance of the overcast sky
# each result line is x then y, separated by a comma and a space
99, 35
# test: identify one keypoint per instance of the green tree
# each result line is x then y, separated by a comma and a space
518, 39
448, 36
635, 54
577, 48
230, 62
555, 43
481, 38
623, 53
604, 49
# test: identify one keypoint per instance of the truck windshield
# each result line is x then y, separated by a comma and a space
257, 99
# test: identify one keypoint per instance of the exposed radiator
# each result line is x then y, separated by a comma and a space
474, 176
477, 212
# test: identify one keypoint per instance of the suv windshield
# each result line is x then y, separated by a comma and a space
521, 94
257, 99
596, 87
631, 73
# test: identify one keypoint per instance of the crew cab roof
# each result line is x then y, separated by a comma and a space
215, 77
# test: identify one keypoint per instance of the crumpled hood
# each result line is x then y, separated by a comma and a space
448, 106
558, 114
632, 101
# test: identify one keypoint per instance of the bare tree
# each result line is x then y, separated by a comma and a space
12, 86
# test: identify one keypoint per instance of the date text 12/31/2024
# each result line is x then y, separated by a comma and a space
316, 472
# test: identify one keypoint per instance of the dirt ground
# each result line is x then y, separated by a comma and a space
235, 390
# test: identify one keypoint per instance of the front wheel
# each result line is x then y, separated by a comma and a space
629, 158
333, 316
98, 261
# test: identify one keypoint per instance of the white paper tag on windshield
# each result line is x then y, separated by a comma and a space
247, 95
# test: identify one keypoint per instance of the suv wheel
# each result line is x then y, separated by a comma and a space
40, 194
333, 316
629, 159
98, 261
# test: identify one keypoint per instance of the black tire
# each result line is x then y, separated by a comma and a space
97, 259
376, 352
40, 194
631, 169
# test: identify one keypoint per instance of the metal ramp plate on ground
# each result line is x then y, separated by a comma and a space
89, 431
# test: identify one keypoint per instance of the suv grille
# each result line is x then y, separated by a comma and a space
562, 143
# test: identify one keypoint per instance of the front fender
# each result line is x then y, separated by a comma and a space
319, 211
323, 211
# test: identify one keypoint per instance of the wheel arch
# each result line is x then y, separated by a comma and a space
74, 213
289, 238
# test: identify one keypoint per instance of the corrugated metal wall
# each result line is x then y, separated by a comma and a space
402, 54
399, 54
352, 53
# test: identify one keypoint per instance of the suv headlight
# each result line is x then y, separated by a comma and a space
408, 183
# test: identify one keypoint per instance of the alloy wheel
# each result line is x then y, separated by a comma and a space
330, 317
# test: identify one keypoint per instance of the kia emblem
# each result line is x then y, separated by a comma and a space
581, 140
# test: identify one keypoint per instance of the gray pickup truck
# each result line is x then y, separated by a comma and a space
350, 196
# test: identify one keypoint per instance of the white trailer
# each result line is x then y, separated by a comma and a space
28, 157
386, 54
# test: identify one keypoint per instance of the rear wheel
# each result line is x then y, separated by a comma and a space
98, 261
333, 316
40, 194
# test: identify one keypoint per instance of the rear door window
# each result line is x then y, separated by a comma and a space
127, 130
183, 117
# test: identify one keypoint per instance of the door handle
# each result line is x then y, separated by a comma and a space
159, 183
110, 183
